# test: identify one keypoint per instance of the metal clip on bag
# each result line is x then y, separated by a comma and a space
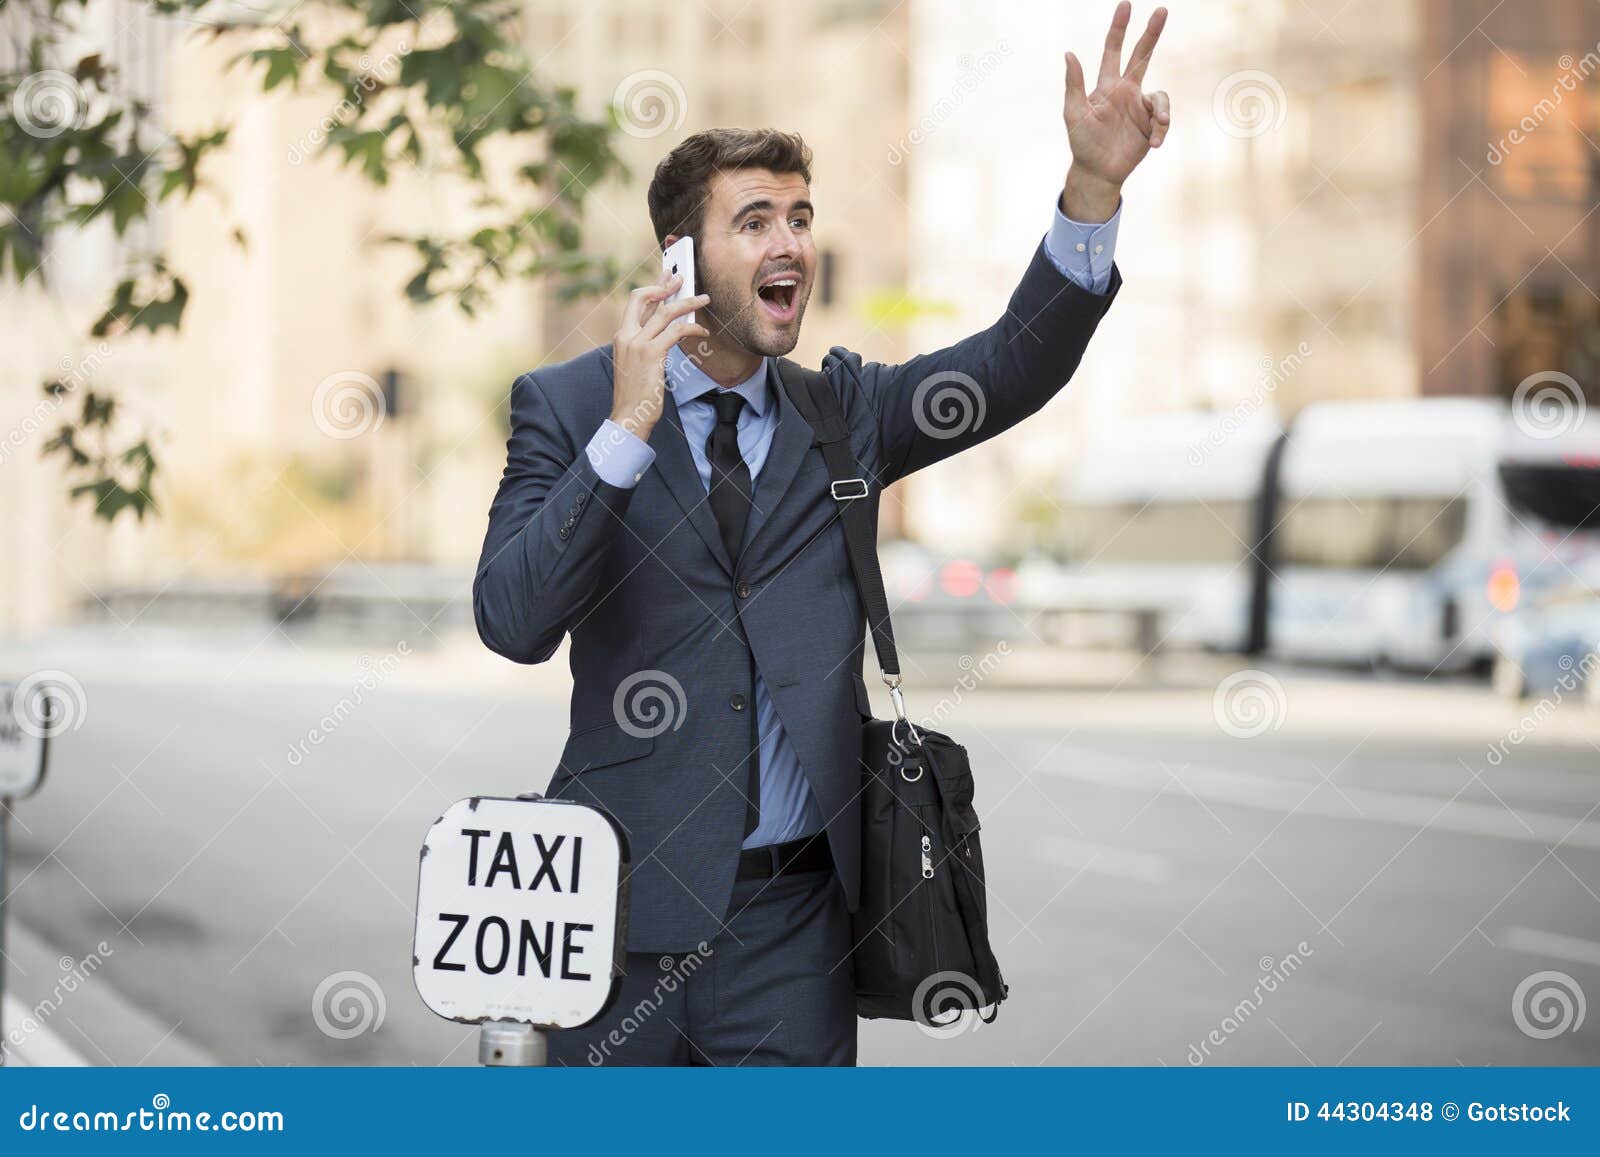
921, 932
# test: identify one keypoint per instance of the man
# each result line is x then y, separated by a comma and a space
667, 509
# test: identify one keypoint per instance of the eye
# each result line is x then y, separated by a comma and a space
800, 223
753, 222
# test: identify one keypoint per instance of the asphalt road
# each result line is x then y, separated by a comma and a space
1369, 880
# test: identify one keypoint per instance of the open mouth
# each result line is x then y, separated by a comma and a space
780, 296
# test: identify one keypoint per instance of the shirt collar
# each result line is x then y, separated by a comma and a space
688, 381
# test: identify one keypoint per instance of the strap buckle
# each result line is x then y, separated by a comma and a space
850, 492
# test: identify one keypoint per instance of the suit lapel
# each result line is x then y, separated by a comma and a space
676, 466
790, 441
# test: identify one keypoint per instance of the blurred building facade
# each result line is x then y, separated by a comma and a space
1340, 211
1511, 170
276, 454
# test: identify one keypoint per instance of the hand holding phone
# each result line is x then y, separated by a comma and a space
654, 320
679, 259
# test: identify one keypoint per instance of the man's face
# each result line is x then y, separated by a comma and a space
755, 257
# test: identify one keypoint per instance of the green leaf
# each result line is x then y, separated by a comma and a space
283, 63
128, 312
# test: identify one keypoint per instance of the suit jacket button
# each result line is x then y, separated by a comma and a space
565, 532
736, 701
582, 498
742, 590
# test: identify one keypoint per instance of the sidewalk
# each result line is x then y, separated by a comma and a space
59, 1012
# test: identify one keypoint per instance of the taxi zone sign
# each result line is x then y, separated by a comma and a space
521, 912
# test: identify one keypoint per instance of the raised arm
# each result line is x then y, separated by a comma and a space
939, 404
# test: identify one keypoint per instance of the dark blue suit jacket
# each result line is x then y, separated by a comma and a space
662, 618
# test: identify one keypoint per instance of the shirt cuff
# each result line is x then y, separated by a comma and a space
619, 457
1083, 252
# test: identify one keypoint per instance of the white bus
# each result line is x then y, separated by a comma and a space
1405, 529
1162, 515
1367, 532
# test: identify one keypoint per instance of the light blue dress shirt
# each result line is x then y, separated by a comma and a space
1082, 252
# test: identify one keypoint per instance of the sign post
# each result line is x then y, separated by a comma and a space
22, 764
521, 920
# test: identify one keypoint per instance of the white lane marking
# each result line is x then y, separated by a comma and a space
1223, 785
1552, 944
1080, 855
37, 1044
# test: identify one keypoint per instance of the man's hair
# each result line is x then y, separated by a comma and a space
678, 191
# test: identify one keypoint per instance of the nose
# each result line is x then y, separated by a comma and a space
784, 244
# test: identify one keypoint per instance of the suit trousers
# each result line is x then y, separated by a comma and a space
773, 988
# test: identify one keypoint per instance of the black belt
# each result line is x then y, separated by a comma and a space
807, 854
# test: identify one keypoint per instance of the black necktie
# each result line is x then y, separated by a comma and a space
730, 477
730, 501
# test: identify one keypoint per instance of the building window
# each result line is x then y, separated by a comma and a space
827, 273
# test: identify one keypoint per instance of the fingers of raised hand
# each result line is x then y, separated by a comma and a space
1111, 58
1160, 110
1145, 48
1076, 98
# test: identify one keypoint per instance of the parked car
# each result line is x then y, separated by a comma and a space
1552, 643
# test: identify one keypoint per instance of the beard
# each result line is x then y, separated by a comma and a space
736, 309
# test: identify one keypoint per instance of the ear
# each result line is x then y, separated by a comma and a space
672, 239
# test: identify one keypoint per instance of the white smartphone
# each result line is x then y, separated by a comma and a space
679, 258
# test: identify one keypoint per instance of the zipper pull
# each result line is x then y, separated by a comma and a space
927, 860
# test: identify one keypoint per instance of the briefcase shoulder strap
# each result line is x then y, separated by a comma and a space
815, 401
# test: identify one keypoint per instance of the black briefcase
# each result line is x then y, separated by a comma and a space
921, 933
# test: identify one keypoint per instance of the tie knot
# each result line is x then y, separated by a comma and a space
728, 405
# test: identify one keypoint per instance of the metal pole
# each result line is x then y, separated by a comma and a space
510, 1042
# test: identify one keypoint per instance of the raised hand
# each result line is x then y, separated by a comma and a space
1112, 128
649, 329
